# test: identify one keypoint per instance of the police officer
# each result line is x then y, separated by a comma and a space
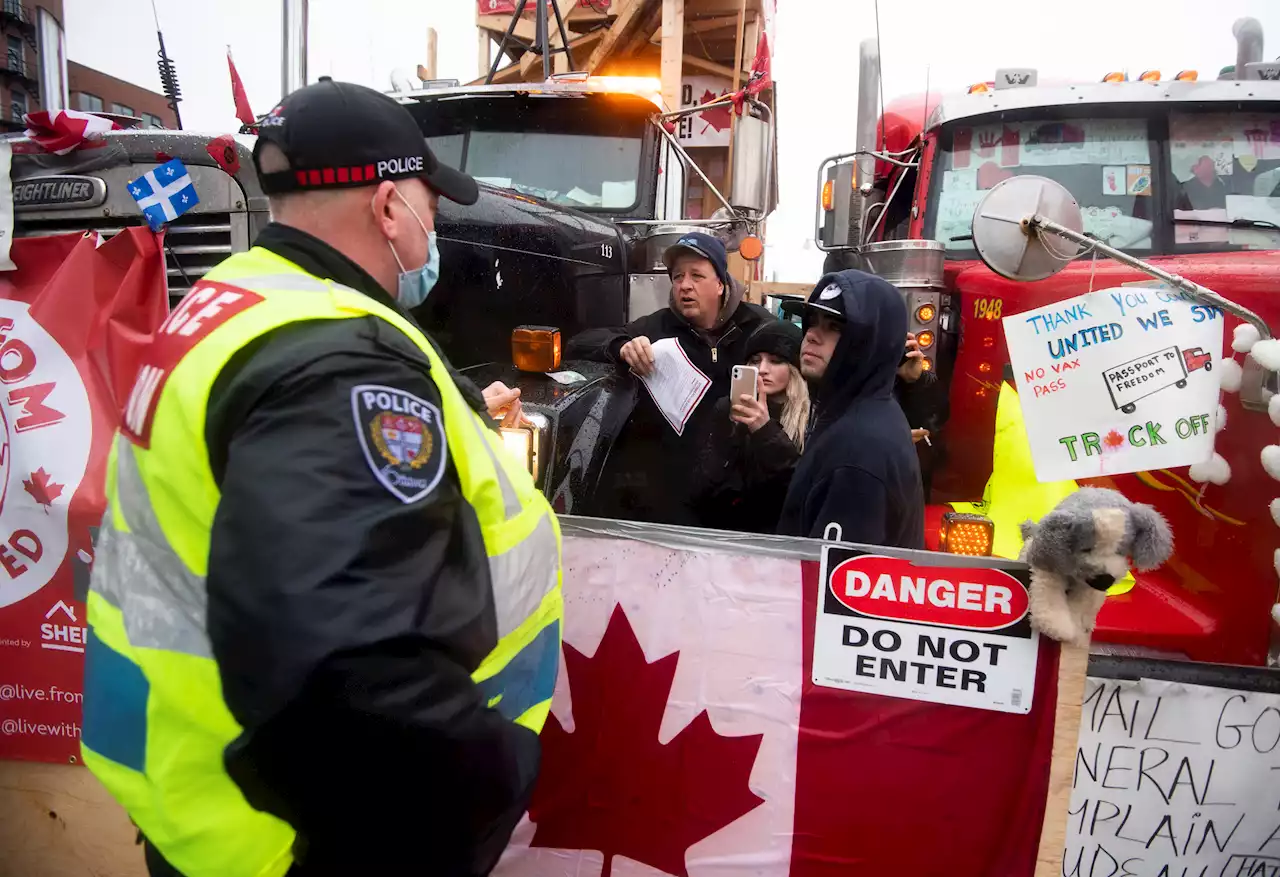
325, 610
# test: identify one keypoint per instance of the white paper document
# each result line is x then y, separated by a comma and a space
676, 384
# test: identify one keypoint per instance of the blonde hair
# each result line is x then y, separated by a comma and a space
795, 407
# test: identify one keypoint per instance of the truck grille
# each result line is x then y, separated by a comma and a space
194, 244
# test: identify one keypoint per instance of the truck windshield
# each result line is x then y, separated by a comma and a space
579, 151
1166, 182
1105, 163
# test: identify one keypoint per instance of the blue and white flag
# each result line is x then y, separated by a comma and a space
165, 193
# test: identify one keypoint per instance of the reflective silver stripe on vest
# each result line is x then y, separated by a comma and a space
291, 282
164, 605
510, 502
523, 576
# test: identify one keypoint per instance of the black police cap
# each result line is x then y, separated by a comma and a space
340, 135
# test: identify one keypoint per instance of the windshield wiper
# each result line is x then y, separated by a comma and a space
1237, 223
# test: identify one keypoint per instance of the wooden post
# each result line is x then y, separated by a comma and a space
737, 79
483, 46
672, 52
1073, 667
431, 53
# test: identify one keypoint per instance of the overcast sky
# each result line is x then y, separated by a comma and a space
815, 62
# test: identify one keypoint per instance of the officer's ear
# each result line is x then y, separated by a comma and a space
386, 208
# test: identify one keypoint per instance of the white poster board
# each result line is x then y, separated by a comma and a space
1174, 779
710, 127
1119, 380
954, 635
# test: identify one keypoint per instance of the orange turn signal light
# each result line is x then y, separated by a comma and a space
535, 348
926, 313
1115, 77
966, 534
980, 87
826, 195
751, 248
924, 339
928, 364
1187, 76
1149, 76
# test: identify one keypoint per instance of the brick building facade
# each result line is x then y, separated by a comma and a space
96, 92
19, 61
88, 89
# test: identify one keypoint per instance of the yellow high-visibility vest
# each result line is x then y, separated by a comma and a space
155, 723
1012, 494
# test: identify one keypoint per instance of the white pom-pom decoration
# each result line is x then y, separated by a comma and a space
1221, 423
1246, 335
1275, 613
1271, 460
1277, 561
1230, 374
1275, 510
1214, 470
1267, 353
1273, 409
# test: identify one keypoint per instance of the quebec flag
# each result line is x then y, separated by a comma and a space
165, 193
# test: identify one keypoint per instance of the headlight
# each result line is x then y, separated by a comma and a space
526, 442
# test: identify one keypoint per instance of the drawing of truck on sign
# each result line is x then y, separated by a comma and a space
1139, 378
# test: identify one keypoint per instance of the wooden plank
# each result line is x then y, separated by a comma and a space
619, 32
431, 54
484, 45
649, 33
706, 66
777, 287
526, 28
672, 51
1073, 666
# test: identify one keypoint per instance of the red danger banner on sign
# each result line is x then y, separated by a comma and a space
944, 634
73, 320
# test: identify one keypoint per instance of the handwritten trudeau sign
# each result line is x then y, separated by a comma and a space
1175, 780
1119, 380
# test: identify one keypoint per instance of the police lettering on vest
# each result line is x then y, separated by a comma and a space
410, 164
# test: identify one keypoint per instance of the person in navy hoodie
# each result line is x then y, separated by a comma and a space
859, 468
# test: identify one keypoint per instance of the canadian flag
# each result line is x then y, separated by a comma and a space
61, 131
688, 738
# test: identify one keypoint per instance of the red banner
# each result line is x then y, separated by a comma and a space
73, 320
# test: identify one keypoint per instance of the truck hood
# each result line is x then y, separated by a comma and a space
510, 260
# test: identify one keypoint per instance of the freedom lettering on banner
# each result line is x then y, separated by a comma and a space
1119, 380
63, 356
1175, 780
943, 634
687, 738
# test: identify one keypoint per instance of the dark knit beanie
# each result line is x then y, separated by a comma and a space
777, 339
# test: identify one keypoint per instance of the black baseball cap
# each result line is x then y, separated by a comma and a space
826, 298
704, 245
341, 135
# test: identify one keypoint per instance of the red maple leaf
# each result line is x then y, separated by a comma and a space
42, 489
719, 117
611, 786
1113, 439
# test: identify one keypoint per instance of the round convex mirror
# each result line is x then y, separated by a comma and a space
1008, 245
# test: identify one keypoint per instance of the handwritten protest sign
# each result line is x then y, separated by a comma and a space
1174, 779
1119, 380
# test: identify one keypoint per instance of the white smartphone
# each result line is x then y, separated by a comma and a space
743, 383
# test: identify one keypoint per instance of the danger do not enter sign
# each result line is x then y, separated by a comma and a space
906, 628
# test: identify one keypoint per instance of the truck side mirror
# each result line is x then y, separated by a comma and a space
751, 188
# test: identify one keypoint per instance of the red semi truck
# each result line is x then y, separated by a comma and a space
1183, 172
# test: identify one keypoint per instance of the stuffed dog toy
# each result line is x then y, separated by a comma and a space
1080, 549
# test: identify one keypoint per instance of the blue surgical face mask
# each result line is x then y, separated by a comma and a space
414, 286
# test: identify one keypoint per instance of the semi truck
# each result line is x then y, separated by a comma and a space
582, 188
1180, 170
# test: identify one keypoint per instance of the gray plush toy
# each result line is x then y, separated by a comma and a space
1080, 549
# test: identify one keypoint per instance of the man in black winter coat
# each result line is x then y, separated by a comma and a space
859, 467
646, 477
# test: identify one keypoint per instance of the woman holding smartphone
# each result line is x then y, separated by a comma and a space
754, 438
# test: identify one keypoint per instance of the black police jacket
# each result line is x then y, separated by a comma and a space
345, 622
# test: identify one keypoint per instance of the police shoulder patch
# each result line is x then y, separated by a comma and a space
402, 437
